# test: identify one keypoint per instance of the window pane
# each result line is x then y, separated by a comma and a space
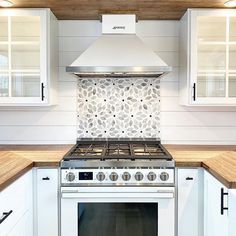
25, 85
3, 28
211, 57
116, 219
25, 57
211, 28
3, 57
4, 86
212, 85
232, 57
232, 29
25, 28
232, 86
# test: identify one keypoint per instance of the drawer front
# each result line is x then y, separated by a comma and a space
15, 200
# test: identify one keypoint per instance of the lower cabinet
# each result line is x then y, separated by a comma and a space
190, 201
16, 207
232, 212
215, 207
24, 227
46, 202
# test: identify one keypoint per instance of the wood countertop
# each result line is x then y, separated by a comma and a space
195, 155
15, 160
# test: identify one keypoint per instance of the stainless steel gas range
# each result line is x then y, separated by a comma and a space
113, 187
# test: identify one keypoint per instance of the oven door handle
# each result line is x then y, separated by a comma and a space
158, 194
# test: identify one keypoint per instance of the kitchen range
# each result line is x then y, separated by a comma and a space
118, 187
117, 125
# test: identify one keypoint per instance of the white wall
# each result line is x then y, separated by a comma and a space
178, 124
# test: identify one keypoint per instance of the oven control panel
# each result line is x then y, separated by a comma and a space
132, 176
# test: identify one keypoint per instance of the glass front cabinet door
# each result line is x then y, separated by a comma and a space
26, 69
208, 57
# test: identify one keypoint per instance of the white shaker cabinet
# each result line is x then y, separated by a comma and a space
232, 212
16, 207
24, 227
47, 203
28, 57
208, 57
190, 201
215, 207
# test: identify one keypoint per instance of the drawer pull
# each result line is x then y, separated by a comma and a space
5, 215
189, 178
222, 207
45, 178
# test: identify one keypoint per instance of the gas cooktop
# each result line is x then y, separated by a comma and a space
94, 162
117, 149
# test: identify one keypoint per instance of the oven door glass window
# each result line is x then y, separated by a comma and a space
118, 219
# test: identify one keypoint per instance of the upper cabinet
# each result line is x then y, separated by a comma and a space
208, 57
28, 57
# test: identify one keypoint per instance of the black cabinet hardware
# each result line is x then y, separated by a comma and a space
45, 178
189, 178
5, 215
42, 91
222, 207
194, 92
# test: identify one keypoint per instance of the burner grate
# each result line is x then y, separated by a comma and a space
129, 150
88, 150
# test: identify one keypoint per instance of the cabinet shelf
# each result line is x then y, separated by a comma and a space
20, 42
200, 42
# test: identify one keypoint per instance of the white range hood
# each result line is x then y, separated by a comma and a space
118, 52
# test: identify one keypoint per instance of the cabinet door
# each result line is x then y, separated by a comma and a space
47, 202
15, 200
24, 226
22, 56
190, 217
213, 57
216, 220
232, 212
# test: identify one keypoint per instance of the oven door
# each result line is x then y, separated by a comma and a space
116, 211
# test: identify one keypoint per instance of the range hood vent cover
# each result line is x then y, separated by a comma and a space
119, 54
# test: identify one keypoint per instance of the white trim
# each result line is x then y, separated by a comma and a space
9, 58
227, 58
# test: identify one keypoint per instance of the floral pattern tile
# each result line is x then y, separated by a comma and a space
118, 107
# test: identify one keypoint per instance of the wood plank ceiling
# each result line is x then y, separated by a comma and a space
145, 9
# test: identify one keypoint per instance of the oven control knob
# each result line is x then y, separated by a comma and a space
70, 177
113, 176
100, 176
164, 176
151, 176
138, 176
126, 176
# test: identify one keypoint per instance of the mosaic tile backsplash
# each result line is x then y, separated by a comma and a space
118, 107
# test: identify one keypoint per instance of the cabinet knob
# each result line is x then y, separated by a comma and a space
45, 178
189, 178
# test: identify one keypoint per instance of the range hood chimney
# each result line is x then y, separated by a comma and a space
118, 52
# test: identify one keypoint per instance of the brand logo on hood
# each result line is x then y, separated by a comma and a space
118, 27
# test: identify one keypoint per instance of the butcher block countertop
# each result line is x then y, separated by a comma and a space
15, 160
220, 161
